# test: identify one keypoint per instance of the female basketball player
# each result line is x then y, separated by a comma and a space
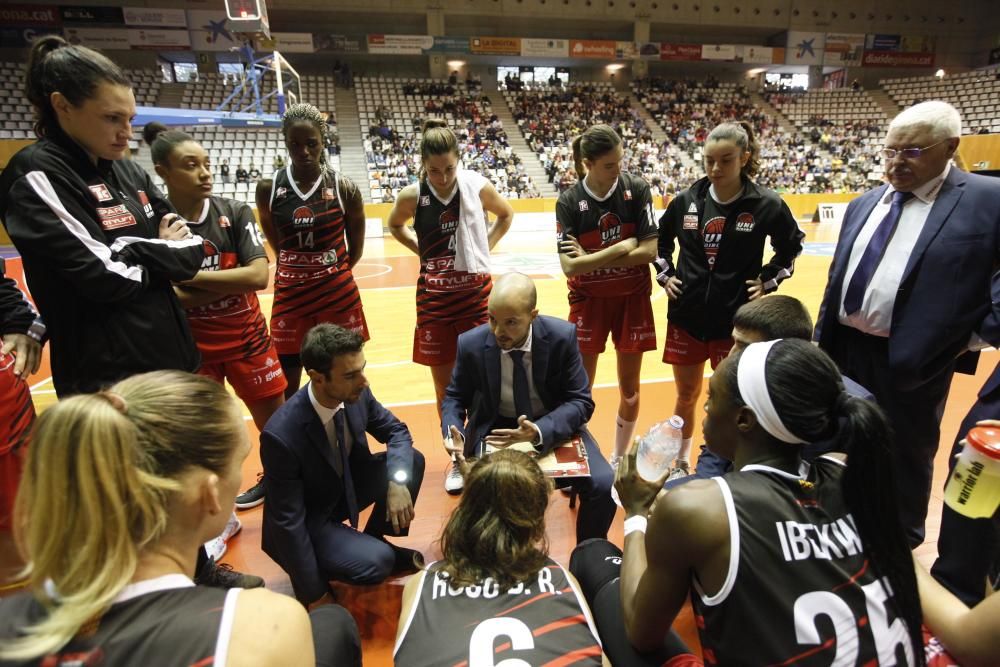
120, 489
221, 299
496, 580
784, 562
450, 299
720, 223
607, 236
314, 219
88, 225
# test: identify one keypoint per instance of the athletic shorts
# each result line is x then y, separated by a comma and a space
683, 349
437, 344
288, 332
628, 319
17, 413
253, 379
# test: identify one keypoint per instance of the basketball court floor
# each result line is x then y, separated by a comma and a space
387, 277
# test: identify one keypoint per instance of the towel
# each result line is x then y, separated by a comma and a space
472, 246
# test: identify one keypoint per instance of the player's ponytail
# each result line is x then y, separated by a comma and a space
598, 140
101, 471
163, 141
436, 138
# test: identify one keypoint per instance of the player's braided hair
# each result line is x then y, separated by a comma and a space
303, 112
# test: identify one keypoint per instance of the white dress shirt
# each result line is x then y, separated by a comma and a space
506, 407
875, 315
326, 415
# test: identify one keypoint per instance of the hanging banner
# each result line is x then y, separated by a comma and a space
212, 31
875, 42
843, 49
449, 45
287, 42
498, 46
756, 55
81, 14
159, 40
804, 48
155, 18
592, 48
544, 48
99, 38
680, 51
29, 15
890, 59
718, 52
399, 44
337, 43
22, 36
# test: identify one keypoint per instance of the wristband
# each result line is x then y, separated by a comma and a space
635, 524
36, 331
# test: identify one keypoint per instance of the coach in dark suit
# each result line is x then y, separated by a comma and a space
319, 473
909, 290
968, 548
520, 378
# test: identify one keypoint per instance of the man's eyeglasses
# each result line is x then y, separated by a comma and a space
908, 153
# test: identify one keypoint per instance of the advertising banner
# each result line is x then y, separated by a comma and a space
756, 55
287, 42
399, 44
29, 15
680, 51
500, 46
81, 14
592, 48
843, 49
98, 38
804, 48
544, 48
21, 36
337, 43
212, 31
449, 45
718, 52
156, 18
159, 40
890, 59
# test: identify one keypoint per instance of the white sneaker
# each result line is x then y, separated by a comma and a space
233, 526
681, 469
216, 548
453, 482
614, 461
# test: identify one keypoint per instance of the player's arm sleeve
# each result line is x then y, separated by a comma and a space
386, 428
287, 513
786, 239
51, 225
664, 262
16, 314
577, 405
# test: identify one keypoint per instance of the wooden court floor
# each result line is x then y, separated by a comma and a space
387, 276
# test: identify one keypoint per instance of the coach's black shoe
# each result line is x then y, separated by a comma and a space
222, 575
408, 561
253, 496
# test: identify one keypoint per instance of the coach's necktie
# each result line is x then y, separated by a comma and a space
349, 495
872, 255
522, 393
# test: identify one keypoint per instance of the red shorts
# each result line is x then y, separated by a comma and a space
437, 344
17, 413
253, 379
683, 349
288, 332
629, 319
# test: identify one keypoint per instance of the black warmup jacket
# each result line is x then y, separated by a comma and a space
712, 295
99, 274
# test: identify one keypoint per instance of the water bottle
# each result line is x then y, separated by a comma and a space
658, 449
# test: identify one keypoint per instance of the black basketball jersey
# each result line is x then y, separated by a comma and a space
443, 293
543, 621
626, 212
312, 273
800, 588
167, 622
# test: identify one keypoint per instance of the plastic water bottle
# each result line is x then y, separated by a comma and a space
658, 448
657, 451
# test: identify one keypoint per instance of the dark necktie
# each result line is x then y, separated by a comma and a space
522, 392
872, 255
349, 496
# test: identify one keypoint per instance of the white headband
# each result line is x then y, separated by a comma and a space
750, 377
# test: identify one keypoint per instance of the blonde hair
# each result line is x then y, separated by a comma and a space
101, 470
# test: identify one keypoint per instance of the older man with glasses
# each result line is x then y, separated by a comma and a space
911, 292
